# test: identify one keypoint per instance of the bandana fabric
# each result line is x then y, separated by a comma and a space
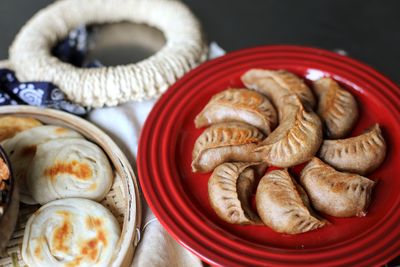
45, 94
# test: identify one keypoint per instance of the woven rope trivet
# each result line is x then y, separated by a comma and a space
185, 48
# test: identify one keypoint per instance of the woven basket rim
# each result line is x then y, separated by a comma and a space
184, 49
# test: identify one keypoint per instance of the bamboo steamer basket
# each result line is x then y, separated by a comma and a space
123, 200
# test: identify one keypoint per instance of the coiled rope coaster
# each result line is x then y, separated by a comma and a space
31, 56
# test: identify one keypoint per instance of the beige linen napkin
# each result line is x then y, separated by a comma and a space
124, 123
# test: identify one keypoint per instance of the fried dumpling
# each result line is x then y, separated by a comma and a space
71, 232
11, 125
282, 206
361, 154
229, 190
336, 193
225, 142
22, 148
296, 139
276, 84
336, 107
69, 167
241, 105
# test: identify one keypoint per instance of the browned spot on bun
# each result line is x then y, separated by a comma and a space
63, 213
62, 233
90, 248
96, 224
92, 187
60, 130
93, 223
74, 263
38, 251
81, 171
102, 237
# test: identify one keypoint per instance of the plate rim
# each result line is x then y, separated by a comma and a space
144, 171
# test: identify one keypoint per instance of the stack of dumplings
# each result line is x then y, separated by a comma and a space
57, 167
277, 120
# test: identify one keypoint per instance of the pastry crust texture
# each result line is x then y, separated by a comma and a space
276, 84
296, 139
282, 206
22, 148
69, 167
11, 125
336, 193
336, 107
225, 142
229, 189
70, 232
361, 154
241, 105
247, 133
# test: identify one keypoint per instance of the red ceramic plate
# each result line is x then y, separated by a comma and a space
179, 197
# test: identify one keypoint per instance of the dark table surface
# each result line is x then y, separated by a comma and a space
368, 30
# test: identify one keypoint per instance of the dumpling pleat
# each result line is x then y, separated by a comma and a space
277, 85
239, 105
336, 193
229, 188
294, 141
336, 107
361, 154
281, 206
225, 142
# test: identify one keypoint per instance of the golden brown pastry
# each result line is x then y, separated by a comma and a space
361, 154
229, 190
276, 84
336, 193
296, 139
241, 105
69, 167
336, 107
225, 142
11, 125
283, 206
71, 232
22, 148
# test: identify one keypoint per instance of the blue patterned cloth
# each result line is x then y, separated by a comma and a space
45, 94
